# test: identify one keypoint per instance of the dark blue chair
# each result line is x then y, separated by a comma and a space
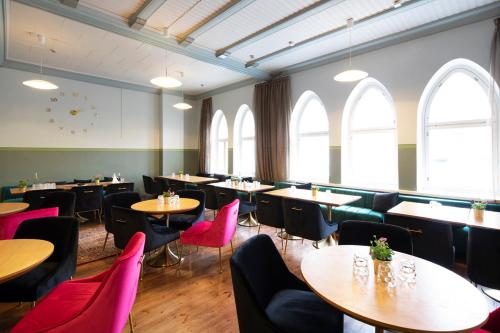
120, 187
89, 199
269, 298
35, 198
306, 220
185, 220
270, 211
64, 200
118, 199
362, 232
210, 197
151, 187
227, 195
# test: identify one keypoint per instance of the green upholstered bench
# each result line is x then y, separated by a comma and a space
9, 197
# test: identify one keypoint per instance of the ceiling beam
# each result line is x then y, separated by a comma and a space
220, 15
70, 3
138, 19
286, 22
115, 25
385, 14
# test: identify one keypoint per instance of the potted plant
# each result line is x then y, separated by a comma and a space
181, 173
380, 252
97, 179
478, 207
23, 184
314, 190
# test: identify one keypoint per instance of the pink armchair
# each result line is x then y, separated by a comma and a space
9, 223
213, 234
492, 325
98, 304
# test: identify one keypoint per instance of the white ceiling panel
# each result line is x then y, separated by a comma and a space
122, 8
84, 49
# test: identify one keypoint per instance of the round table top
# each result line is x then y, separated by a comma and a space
439, 301
7, 208
154, 207
22, 255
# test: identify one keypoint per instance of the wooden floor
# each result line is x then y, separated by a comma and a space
199, 299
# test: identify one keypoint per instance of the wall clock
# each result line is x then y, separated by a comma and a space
71, 112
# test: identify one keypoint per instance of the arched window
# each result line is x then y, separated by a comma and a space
369, 137
457, 134
219, 143
244, 142
310, 159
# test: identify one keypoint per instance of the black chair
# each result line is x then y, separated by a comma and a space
64, 200
269, 298
151, 187
89, 199
82, 181
163, 183
304, 186
362, 232
118, 199
483, 258
62, 232
185, 220
126, 222
176, 185
36, 197
107, 179
203, 174
120, 187
210, 197
226, 195
270, 211
306, 220
221, 177
432, 240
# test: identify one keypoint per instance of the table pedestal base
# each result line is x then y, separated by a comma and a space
165, 257
284, 235
249, 222
379, 329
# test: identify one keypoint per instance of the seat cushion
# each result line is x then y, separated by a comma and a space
382, 202
302, 311
62, 304
181, 221
247, 207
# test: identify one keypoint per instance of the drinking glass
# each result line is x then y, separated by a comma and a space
293, 187
328, 191
385, 274
360, 265
407, 270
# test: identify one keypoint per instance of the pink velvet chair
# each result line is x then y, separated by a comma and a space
492, 325
9, 223
213, 234
98, 304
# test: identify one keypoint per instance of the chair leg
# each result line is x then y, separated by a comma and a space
99, 215
33, 304
220, 261
180, 261
281, 233
105, 241
130, 322
286, 244
166, 255
232, 250
302, 240
258, 230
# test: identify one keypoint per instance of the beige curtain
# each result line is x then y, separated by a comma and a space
204, 135
272, 108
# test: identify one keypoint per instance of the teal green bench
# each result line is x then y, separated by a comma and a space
9, 197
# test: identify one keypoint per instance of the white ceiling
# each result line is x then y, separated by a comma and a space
84, 49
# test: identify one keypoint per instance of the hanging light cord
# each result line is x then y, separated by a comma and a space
350, 46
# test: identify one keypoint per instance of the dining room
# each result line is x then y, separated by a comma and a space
250, 166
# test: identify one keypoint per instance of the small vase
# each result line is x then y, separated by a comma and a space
377, 263
478, 214
314, 191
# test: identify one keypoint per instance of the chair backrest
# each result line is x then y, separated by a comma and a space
257, 272
88, 198
270, 210
362, 232
304, 219
7, 195
126, 222
10, 223
82, 181
483, 257
224, 196
107, 179
210, 197
120, 187
62, 231
176, 185
163, 183
64, 200
118, 199
35, 197
197, 195
150, 186
224, 225
432, 240
221, 177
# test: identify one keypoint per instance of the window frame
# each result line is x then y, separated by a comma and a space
239, 139
480, 75
295, 135
347, 130
217, 120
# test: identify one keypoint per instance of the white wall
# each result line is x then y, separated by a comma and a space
404, 69
108, 118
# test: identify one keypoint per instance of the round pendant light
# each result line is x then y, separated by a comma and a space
166, 82
182, 106
40, 84
350, 75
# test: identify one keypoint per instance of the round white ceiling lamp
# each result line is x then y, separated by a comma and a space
166, 81
39, 83
182, 105
350, 74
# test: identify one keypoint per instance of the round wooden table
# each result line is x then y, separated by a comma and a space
7, 208
22, 255
439, 301
154, 207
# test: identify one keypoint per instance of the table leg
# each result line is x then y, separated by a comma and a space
164, 257
250, 221
379, 329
